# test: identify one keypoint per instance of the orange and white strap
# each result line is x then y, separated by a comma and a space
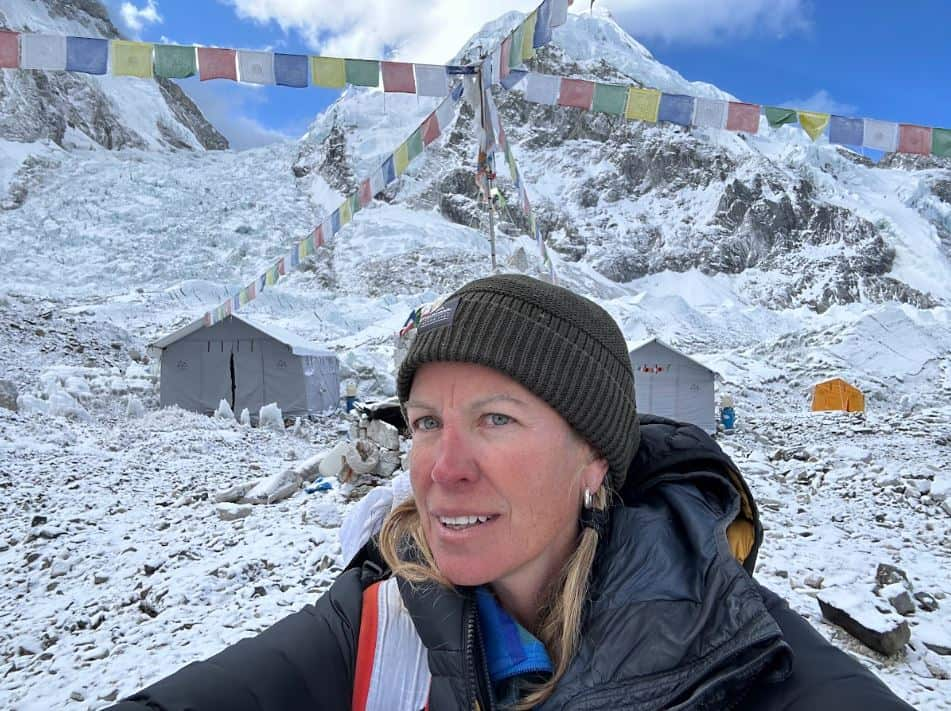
392, 672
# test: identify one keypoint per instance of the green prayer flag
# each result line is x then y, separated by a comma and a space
345, 214
515, 53
778, 116
414, 144
941, 142
355, 205
328, 72
609, 98
528, 36
175, 62
363, 72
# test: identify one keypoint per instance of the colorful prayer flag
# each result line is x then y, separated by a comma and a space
355, 205
346, 213
676, 108
445, 115
335, 222
281, 268
47, 52
318, 236
398, 77
365, 193
290, 70
377, 182
846, 131
294, 254
512, 79
252, 290
236, 302
132, 59
542, 88
431, 80
609, 98
743, 117
710, 113
215, 63
528, 35
813, 123
329, 72
174, 61
255, 67
505, 53
542, 34
914, 139
941, 142
270, 276
578, 93
9, 50
515, 53
362, 72
881, 135
414, 144
401, 158
303, 247
430, 129
497, 65
559, 12
642, 104
777, 116
88, 55
389, 169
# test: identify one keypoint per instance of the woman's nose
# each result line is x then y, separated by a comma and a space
454, 459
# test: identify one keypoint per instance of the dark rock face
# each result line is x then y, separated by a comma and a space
889, 642
37, 105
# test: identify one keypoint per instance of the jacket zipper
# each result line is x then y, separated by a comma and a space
472, 637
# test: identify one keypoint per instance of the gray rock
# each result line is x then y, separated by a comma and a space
8, 395
886, 636
233, 512
384, 434
887, 574
926, 601
902, 603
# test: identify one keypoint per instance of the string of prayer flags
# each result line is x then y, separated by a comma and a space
173, 61
9, 49
431, 128
255, 67
813, 123
217, 63
87, 55
328, 72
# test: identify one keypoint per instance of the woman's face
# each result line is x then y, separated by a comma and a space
497, 474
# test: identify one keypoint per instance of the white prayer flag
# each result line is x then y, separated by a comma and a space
255, 67
881, 135
497, 65
431, 80
559, 12
327, 229
446, 114
542, 88
377, 182
46, 52
710, 113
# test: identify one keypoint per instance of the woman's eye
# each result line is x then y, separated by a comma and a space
425, 423
495, 419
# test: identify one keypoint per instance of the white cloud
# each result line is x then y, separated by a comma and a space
709, 21
434, 30
227, 110
821, 101
136, 18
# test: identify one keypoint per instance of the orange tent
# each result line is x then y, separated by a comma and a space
836, 394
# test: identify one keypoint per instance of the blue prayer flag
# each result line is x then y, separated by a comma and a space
676, 108
335, 221
86, 54
236, 302
389, 170
295, 257
847, 131
513, 78
457, 92
542, 25
290, 70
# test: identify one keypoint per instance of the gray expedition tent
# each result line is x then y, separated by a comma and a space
249, 364
672, 384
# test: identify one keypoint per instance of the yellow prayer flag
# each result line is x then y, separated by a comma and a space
345, 214
401, 158
642, 104
132, 59
528, 36
813, 123
270, 276
329, 72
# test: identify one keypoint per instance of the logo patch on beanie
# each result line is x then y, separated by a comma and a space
442, 315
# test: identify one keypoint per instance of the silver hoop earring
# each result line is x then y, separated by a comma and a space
587, 498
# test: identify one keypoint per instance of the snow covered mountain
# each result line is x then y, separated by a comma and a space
775, 262
77, 110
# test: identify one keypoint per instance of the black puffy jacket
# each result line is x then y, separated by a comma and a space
674, 621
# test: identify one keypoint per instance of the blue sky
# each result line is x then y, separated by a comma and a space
876, 59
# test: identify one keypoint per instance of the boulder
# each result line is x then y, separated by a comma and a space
233, 494
232, 512
887, 574
852, 611
363, 457
389, 463
902, 603
333, 464
941, 486
384, 434
8, 395
926, 601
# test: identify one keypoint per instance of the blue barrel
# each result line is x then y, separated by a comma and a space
727, 418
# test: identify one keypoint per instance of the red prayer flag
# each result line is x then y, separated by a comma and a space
504, 62
252, 290
216, 63
318, 236
280, 267
430, 129
576, 92
366, 193
914, 139
9, 50
398, 77
742, 117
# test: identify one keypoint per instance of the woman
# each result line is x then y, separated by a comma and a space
558, 551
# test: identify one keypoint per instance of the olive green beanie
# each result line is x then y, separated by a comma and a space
563, 347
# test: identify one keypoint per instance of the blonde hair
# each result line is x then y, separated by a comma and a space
405, 550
